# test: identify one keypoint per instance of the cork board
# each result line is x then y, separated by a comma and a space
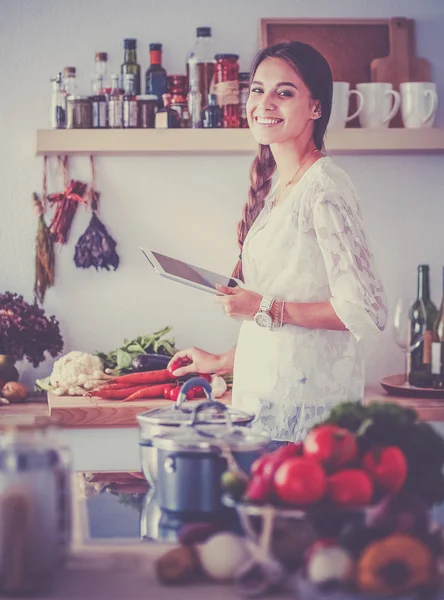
349, 45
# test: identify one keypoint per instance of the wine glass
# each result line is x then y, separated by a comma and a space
406, 337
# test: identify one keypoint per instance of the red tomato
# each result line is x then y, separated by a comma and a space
257, 468
330, 445
179, 362
167, 390
300, 481
350, 488
290, 451
190, 394
259, 490
174, 393
387, 466
198, 391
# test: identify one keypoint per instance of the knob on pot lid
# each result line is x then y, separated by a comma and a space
211, 439
174, 415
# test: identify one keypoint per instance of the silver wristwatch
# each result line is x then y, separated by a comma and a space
263, 317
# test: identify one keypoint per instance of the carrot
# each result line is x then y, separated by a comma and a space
146, 377
107, 394
148, 391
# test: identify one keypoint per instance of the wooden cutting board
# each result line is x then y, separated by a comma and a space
401, 64
80, 411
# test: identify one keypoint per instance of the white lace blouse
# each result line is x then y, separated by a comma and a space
310, 248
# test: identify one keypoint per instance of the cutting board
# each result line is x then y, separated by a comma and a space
80, 411
401, 64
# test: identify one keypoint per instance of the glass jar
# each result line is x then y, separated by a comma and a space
79, 112
226, 88
146, 110
178, 89
244, 92
35, 506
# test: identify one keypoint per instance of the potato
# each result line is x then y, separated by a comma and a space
14, 391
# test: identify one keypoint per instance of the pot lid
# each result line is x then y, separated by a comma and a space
176, 415
211, 439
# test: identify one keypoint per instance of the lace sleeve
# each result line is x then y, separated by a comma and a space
358, 296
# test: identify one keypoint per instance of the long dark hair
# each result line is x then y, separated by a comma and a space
315, 72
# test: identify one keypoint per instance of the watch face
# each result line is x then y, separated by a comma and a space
263, 319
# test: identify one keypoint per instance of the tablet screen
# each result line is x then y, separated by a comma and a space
192, 273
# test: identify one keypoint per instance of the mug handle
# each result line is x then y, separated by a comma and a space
360, 104
433, 97
396, 104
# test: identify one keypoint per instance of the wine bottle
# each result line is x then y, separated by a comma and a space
438, 345
423, 316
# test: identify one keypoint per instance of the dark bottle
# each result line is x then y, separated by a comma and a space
130, 65
212, 113
156, 76
166, 117
438, 345
423, 317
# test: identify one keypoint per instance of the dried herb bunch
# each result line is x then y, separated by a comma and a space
25, 331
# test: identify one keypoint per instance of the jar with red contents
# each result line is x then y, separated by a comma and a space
244, 92
226, 88
177, 88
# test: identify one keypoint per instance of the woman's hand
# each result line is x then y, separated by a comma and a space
239, 303
199, 361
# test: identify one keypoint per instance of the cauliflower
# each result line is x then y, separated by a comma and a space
75, 368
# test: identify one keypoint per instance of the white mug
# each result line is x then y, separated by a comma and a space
419, 104
378, 109
340, 105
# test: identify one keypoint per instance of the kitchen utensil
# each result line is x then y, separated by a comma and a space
400, 65
161, 420
35, 524
191, 460
419, 101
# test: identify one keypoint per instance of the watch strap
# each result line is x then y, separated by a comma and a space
266, 303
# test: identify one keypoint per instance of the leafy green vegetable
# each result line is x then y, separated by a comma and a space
119, 360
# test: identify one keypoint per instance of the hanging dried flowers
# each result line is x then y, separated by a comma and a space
96, 248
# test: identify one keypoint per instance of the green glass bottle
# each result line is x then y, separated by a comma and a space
130, 65
423, 317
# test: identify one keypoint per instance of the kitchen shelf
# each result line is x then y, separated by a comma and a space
133, 142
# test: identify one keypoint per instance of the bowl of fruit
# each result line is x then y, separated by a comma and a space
347, 513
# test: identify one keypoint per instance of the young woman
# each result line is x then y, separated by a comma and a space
311, 293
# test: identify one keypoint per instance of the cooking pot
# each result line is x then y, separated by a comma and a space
191, 460
162, 420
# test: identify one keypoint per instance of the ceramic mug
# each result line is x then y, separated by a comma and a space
419, 101
378, 109
340, 105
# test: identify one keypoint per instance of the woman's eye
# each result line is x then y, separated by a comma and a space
285, 93
256, 90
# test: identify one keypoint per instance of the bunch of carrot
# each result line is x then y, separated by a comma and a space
135, 386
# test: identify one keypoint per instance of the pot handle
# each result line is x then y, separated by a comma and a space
213, 404
194, 381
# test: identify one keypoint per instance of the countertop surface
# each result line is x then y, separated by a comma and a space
81, 412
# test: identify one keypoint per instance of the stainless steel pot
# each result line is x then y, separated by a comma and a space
191, 461
163, 420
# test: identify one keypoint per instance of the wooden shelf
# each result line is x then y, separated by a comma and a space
133, 142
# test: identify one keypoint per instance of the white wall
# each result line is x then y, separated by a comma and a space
186, 206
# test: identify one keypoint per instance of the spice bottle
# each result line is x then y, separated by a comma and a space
200, 62
69, 80
244, 92
99, 103
177, 87
115, 104
212, 113
130, 64
79, 113
146, 111
226, 86
129, 102
101, 74
166, 117
58, 104
156, 76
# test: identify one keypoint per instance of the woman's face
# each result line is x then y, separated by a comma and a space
279, 107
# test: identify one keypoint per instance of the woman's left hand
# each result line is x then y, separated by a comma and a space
238, 303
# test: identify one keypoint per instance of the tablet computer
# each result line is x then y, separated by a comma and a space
183, 272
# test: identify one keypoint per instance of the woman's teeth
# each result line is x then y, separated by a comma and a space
268, 121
